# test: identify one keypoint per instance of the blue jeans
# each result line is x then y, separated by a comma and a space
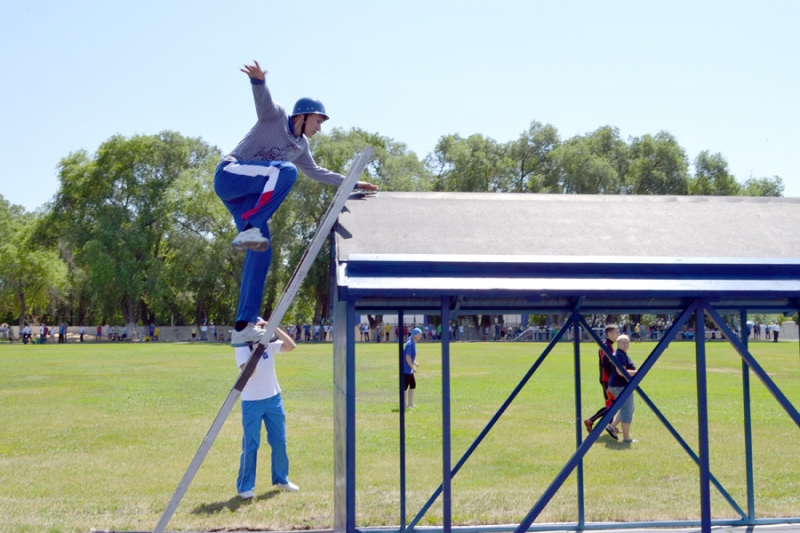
252, 191
271, 412
626, 412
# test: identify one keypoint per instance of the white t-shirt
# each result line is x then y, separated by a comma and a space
263, 383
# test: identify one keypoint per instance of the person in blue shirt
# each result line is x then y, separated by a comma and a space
410, 366
617, 383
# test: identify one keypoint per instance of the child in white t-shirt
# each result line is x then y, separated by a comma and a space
261, 401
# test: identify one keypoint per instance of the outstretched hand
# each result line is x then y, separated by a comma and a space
366, 186
254, 71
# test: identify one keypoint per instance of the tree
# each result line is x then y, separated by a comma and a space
474, 164
116, 210
533, 168
657, 165
711, 176
595, 163
29, 272
201, 275
763, 187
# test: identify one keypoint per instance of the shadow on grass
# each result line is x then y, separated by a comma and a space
231, 505
612, 444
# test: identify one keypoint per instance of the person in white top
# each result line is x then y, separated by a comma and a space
776, 329
261, 401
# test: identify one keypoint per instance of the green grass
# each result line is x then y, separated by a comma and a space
98, 436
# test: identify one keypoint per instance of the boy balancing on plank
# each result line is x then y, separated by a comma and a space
255, 178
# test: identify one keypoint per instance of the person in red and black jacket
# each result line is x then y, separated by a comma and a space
606, 370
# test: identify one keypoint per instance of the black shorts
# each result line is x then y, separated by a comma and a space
411, 383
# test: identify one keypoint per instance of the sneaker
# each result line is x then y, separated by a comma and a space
288, 486
629, 441
251, 239
249, 335
611, 431
247, 495
588, 424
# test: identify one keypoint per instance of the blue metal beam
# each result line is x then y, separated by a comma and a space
593, 526
402, 387
748, 426
447, 511
599, 427
702, 419
530, 303
495, 418
429, 265
578, 418
674, 432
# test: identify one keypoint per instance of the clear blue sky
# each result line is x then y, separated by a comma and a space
719, 75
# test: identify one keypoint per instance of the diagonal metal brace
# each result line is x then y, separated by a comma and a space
753, 364
494, 419
599, 428
671, 429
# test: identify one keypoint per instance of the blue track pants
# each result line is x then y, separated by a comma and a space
271, 412
252, 191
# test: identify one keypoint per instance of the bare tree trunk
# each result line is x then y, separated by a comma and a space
23, 309
129, 315
318, 310
198, 310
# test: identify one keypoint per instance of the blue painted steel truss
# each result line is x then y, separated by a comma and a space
697, 307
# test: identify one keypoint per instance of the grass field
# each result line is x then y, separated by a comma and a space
98, 436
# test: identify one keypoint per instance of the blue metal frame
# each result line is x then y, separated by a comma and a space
693, 303
748, 429
604, 421
702, 418
576, 342
670, 428
401, 372
754, 366
447, 499
493, 420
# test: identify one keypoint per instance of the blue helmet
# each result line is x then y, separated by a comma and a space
309, 105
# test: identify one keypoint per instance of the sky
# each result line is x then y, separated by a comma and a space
722, 76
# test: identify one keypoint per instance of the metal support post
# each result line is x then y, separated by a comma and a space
578, 417
446, 481
350, 455
702, 419
401, 360
748, 427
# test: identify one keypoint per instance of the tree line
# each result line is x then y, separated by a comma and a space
135, 233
